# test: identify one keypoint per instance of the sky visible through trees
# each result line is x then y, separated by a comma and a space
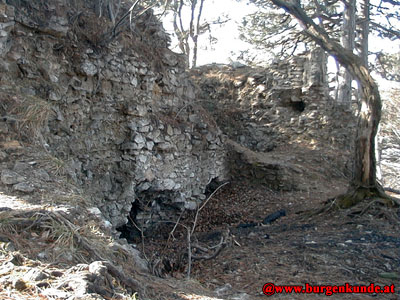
228, 44
227, 35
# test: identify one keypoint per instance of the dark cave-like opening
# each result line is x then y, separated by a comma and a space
153, 210
149, 211
298, 106
130, 231
212, 186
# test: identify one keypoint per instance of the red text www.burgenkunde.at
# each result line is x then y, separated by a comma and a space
270, 289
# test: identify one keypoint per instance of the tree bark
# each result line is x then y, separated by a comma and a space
181, 33
348, 42
365, 32
364, 181
195, 35
190, 35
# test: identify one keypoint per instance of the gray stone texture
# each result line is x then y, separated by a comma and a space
125, 110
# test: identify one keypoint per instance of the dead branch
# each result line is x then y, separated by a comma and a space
84, 242
171, 234
128, 13
126, 280
201, 248
189, 253
190, 233
218, 248
142, 238
392, 190
205, 202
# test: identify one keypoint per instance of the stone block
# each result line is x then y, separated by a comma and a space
9, 177
24, 187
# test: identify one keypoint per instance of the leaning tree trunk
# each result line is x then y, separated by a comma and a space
364, 51
364, 183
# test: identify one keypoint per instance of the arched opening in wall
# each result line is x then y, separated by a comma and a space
212, 186
130, 231
298, 106
150, 213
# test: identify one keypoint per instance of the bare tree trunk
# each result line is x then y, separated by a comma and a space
317, 75
195, 36
348, 42
365, 32
364, 51
337, 80
345, 89
191, 35
181, 33
364, 181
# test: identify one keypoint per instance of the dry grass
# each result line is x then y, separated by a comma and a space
73, 199
31, 293
53, 236
31, 115
55, 165
52, 241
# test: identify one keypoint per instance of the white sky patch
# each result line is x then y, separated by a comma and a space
228, 35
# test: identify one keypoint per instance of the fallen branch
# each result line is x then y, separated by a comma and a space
218, 248
80, 239
388, 189
123, 278
370, 204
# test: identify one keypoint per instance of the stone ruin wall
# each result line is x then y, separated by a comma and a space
276, 108
128, 124
122, 113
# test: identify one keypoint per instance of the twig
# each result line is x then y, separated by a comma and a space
212, 194
177, 114
236, 242
176, 225
111, 12
369, 205
134, 224
170, 222
142, 237
197, 246
85, 243
129, 12
189, 253
205, 202
218, 247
